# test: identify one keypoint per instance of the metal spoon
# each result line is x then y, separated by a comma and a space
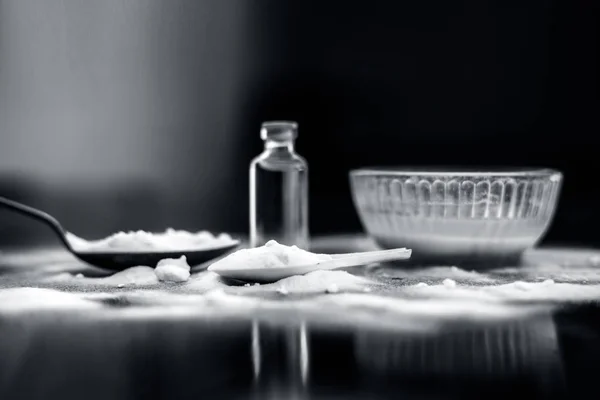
116, 260
266, 275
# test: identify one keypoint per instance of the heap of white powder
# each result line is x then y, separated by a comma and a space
141, 241
167, 270
315, 282
271, 255
173, 270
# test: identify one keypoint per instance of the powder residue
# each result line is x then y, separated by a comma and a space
271, 255
449, 283
140, 275
135, 276
433, 274
594, 261
333, 288
518, 291
142, 241
315, 282
282, 290
202, 282
173, 270
28, 299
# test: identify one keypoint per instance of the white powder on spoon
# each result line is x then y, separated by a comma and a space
141, 241
275, 255
271, 255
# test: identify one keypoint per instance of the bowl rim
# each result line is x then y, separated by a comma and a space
550, 173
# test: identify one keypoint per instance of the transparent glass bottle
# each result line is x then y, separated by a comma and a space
279, 189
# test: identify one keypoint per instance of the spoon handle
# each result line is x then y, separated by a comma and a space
367, 257
37, 215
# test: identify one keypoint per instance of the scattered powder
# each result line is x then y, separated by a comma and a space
173, 269
577, 273
382, 310
135, 276
521, 285
316, 282
421, 284
271, 255
449, 283
140, 275
26, 299
546, 291
202, 282
166, 304
142, 241
333, 288
282, 290
246, 284
435, 274
594, 261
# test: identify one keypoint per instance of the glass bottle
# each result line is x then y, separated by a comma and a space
279, 189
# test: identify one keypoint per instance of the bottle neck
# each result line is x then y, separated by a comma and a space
279, 146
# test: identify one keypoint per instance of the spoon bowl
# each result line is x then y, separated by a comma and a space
268, 275
117, 260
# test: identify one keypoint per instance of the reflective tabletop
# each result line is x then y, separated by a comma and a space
436, 332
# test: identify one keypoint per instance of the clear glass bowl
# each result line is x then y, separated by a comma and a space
456, 216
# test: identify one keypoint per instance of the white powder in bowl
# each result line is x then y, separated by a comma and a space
271, 255
142, 241
173, 270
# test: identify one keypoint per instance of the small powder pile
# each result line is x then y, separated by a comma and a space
271, 255
173, 270
167, 270
449, 283
134, 276
140, 275
316, 282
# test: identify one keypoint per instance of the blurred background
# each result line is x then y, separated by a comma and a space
144, 114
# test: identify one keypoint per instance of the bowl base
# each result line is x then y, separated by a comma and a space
469, 262
450, 255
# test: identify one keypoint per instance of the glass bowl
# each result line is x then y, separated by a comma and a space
456, 216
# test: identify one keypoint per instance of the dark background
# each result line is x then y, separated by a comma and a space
143, 114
